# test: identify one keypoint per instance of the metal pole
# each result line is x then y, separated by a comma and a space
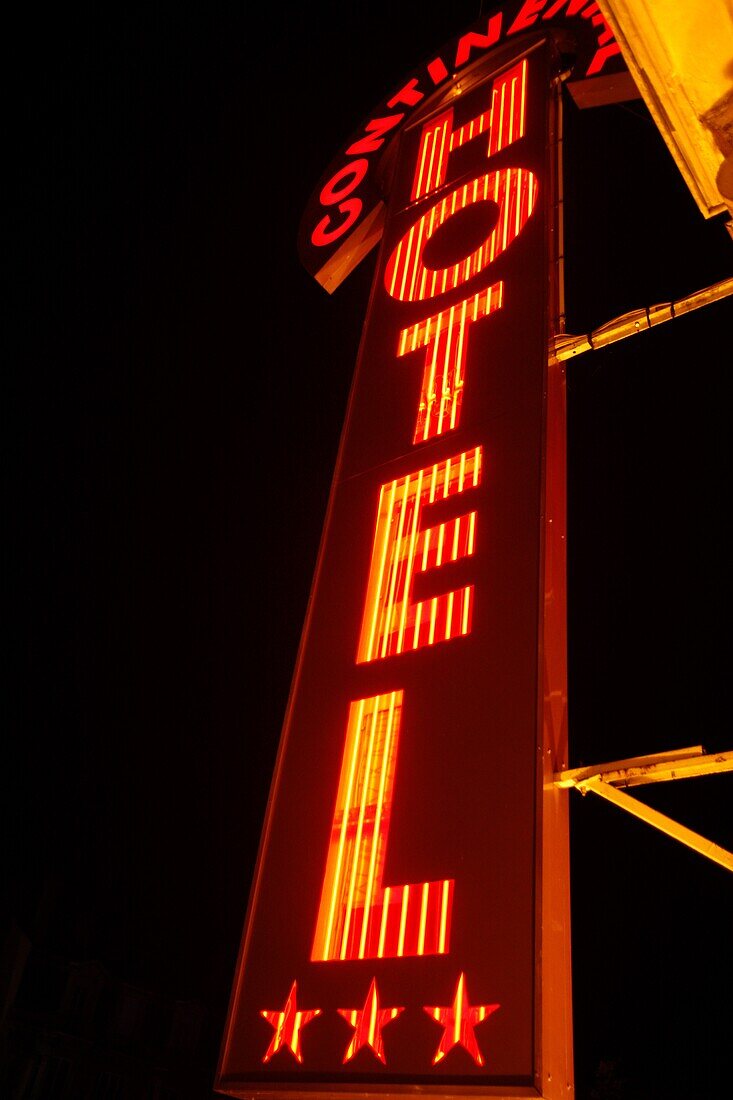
637, 320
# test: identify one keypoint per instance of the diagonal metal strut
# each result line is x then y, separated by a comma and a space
606, 779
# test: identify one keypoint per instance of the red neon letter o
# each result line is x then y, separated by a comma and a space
407, 278
332, 193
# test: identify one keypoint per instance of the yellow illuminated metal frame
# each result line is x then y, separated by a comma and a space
606, 779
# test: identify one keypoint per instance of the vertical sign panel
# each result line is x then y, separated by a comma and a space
393, 930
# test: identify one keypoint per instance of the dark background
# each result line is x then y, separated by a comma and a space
173, 397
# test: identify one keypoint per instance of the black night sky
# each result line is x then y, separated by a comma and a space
174, 393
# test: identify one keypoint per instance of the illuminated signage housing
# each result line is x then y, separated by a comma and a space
409, 921
345, 217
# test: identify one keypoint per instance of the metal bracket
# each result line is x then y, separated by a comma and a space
565, 346
605, 779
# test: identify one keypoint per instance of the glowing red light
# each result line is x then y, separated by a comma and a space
432, 159
367, 1023
288, 1024
462, 724
513, 190
392, 623
445, 335
459, 1020
503, 122
358, 917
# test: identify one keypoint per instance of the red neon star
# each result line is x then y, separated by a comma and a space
367, 1023
459, 1020
288, 1025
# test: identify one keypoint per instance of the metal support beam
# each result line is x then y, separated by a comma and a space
660, 821
678, 764
637, 320
605, 779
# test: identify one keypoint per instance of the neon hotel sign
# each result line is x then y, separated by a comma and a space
407, 927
